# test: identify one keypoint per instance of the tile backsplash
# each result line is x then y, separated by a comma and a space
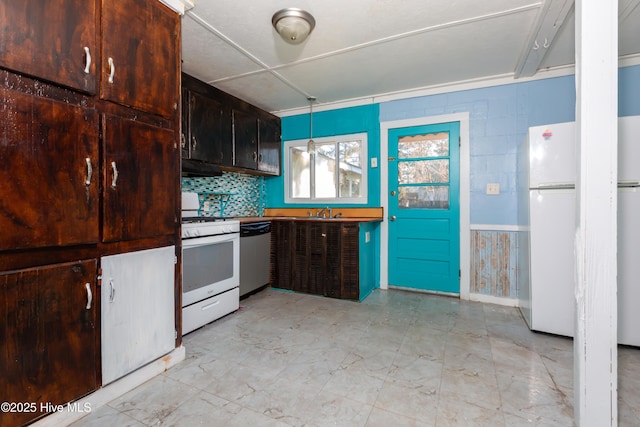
236, 193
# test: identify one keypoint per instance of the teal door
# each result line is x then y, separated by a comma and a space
424, 207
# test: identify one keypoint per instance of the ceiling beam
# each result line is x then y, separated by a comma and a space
550, 18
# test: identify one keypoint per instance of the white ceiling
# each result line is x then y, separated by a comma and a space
364, 48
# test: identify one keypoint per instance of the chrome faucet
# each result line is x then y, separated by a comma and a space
322, 213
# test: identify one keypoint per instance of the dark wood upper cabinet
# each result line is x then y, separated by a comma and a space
48, 335
221, 129
245, 139
140, 52
210, 130
49, 173
54, 40
140, 170
269, 146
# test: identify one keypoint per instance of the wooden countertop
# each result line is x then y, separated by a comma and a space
250, 219
302, 214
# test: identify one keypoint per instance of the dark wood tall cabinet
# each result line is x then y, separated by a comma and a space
89, 126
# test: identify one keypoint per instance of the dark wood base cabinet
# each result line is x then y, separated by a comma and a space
48, 338
316, 257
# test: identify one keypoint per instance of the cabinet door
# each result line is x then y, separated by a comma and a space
48, 336
140, 178
245, 139
138, 321
184, 124
281, 251
140, 55
53, 40
48, 173
350, 261
316, 282
210, 130
269, 146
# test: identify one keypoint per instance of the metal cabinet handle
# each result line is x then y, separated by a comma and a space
194, 142
112, 291
115, 174
112, 69
87, 64
89, 295
260, 157
393, 218
222, 155
393, 192
183, 140
255, 156
87, 182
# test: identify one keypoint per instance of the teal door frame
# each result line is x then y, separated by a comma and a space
464, 224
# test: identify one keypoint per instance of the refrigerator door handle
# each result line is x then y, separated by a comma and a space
554, 187
628, 184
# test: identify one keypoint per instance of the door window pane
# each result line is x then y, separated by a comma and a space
423, 172
430, 145
431, 197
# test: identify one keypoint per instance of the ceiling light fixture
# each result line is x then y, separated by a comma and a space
293, 24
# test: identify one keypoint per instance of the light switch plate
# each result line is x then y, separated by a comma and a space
374, 162
493, 188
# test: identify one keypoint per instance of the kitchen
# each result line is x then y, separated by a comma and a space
499, 115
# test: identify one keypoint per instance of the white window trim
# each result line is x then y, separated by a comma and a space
364, 160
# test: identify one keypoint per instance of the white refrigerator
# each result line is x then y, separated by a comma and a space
547, 174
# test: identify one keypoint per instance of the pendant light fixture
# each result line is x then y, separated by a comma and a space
293, 24
311, 145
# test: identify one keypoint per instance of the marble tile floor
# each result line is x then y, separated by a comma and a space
396, 359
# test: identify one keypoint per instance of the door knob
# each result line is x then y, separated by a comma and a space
393, 192
393, 218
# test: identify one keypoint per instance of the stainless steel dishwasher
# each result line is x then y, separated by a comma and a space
255, 248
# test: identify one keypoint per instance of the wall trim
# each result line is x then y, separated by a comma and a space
106, 394
491, 299
465, 193
497, 227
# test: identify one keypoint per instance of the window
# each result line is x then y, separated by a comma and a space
336, 172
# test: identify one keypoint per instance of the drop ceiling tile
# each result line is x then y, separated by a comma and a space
442, 56
339, 24
264, 90
209, 58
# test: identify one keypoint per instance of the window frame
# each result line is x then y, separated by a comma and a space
337, 139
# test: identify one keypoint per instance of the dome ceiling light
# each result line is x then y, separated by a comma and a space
293, 24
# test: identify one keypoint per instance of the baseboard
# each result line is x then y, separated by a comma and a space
490, 299
104, 395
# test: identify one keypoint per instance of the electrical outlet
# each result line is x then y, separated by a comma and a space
493, 188
367, 237
374, 162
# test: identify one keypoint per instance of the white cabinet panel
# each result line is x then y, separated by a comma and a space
138, 311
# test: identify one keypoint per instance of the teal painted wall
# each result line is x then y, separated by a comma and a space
330, 123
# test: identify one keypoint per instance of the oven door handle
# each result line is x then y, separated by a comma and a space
210, 240
208, 306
